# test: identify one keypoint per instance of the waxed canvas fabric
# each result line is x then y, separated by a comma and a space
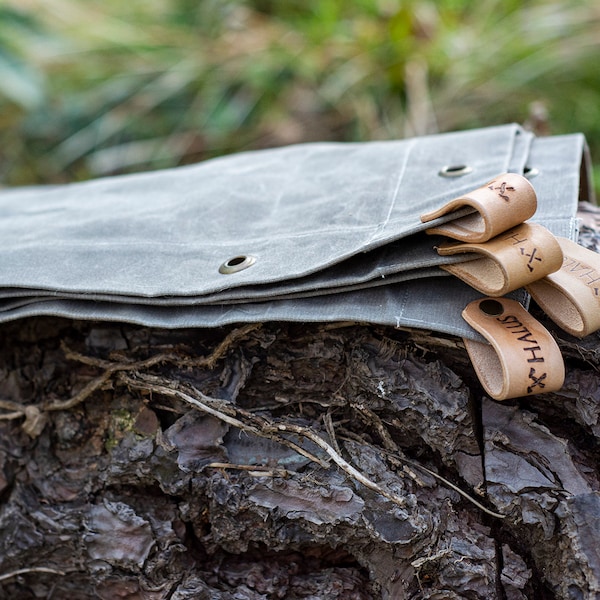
334, 228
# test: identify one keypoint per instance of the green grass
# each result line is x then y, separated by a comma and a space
90, 87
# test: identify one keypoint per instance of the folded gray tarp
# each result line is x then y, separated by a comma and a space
331, 232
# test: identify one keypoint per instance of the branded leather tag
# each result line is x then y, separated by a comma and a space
521, 359
511, 260
500, 204
571, 295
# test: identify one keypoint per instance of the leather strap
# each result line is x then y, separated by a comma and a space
571, 296
509, 261
500, 204
521, 359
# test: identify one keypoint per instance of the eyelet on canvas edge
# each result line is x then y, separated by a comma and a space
455, 170
237, 263
530, 172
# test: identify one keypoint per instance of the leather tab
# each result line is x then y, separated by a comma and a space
571, 296
509, 261
500, 204
521, 359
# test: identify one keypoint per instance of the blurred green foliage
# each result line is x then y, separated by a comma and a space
95, 87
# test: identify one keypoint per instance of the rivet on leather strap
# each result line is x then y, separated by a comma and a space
500, 204
509, 261
521, 359
571, 296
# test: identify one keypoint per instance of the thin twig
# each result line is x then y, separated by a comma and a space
12, 415
391, 450
331, 431
254, 470
267, 431
227, 342
204, 404
412, 463
229, 414
340, 462
456, 489
164, 357
10, 405
373, 419
111, 367
173, 392
82, 395
18, 572
17, 410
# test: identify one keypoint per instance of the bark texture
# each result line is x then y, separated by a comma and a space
288, 461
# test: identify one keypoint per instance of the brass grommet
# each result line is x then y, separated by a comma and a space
237, 263
454, 171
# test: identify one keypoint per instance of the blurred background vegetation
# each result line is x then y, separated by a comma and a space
96, 87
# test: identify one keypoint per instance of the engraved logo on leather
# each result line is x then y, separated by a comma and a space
502, 189
504, 202
587, 274
529, 251
537, 381
571, 295
531, 256
521, 358
516, 327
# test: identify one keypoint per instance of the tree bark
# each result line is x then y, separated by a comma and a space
288, 461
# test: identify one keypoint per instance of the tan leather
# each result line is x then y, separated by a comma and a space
500, 204
521, 359
571, 295
509, 261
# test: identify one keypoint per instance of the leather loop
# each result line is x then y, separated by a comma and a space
509, 261
500, 204
521, 359
571, 295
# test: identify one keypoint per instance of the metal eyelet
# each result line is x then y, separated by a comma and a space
237, 263
455, 170
530, 172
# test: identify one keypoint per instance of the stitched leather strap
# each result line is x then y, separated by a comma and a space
522, 357
571, 296
509, 261
500, 204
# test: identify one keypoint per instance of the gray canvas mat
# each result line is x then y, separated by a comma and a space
334, 231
